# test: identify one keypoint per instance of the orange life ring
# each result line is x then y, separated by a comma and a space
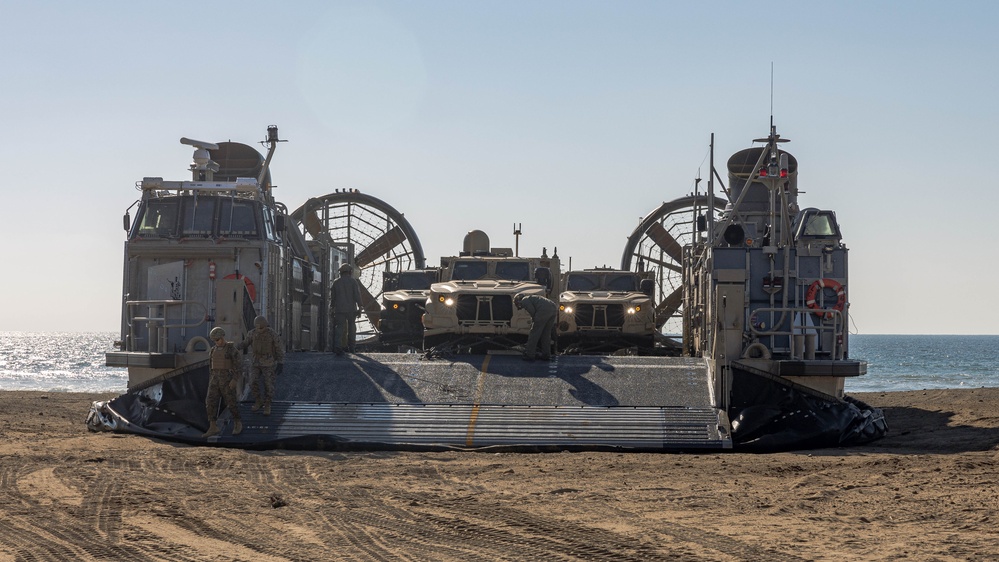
816, 288
249, 284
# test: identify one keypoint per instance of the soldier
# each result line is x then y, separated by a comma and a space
268, 362
347, 306
224, 362
543, 313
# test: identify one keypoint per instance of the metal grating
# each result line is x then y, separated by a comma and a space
476, 426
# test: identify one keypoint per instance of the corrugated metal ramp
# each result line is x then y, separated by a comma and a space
470, 426
490, 401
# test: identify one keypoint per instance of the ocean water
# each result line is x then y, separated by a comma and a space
74, 362
922, 362
59, 361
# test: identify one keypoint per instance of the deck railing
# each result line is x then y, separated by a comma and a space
157, 323
802, 337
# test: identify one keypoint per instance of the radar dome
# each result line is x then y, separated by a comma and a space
476, 243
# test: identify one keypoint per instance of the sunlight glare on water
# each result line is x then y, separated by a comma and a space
74, 362
58, 361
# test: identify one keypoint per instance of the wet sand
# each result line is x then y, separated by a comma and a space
928, 491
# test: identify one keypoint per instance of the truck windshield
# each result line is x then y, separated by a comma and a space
624, 282
583, 282
414, 281
513, 271
468, 270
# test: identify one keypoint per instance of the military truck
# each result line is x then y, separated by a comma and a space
604, 310
470, 308
404, 298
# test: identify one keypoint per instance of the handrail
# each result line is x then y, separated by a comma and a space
837, 327
156, 322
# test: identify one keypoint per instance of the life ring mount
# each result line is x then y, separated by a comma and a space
811, 297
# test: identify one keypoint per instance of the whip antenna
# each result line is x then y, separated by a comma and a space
771, 95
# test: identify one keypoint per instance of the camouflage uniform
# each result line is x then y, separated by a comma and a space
268, 353
225, 361
346, 307
543, 313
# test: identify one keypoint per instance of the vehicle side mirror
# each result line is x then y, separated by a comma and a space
126, 221
648, 287
279, 223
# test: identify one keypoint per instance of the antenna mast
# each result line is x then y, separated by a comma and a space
771, 96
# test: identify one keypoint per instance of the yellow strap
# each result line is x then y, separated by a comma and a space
470, 434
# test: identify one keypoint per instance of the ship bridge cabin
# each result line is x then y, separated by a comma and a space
217, 252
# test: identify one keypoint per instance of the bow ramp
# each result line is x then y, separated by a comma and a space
491, 401
404, 401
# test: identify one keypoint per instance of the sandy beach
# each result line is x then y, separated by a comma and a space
928, 491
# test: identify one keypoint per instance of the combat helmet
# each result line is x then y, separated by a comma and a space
260, 322
517, 299
216, 333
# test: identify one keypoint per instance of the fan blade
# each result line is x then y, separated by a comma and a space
665, 240
313, 225
380, 246
668, 307
370, 304
660, 263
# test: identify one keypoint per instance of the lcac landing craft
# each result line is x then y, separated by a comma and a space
760, 367
765, 296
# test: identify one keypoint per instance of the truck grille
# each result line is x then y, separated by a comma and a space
599, 316
484, 309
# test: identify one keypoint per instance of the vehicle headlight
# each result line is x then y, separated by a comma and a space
633, 309
446, 300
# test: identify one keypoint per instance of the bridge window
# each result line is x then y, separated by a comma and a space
269, 230
199, 215
819, 225
238, 219
159, 218
813, 223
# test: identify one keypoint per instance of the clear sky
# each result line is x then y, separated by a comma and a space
574, 118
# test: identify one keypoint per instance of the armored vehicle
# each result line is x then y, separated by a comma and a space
470, 307
404, 299
605, 310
